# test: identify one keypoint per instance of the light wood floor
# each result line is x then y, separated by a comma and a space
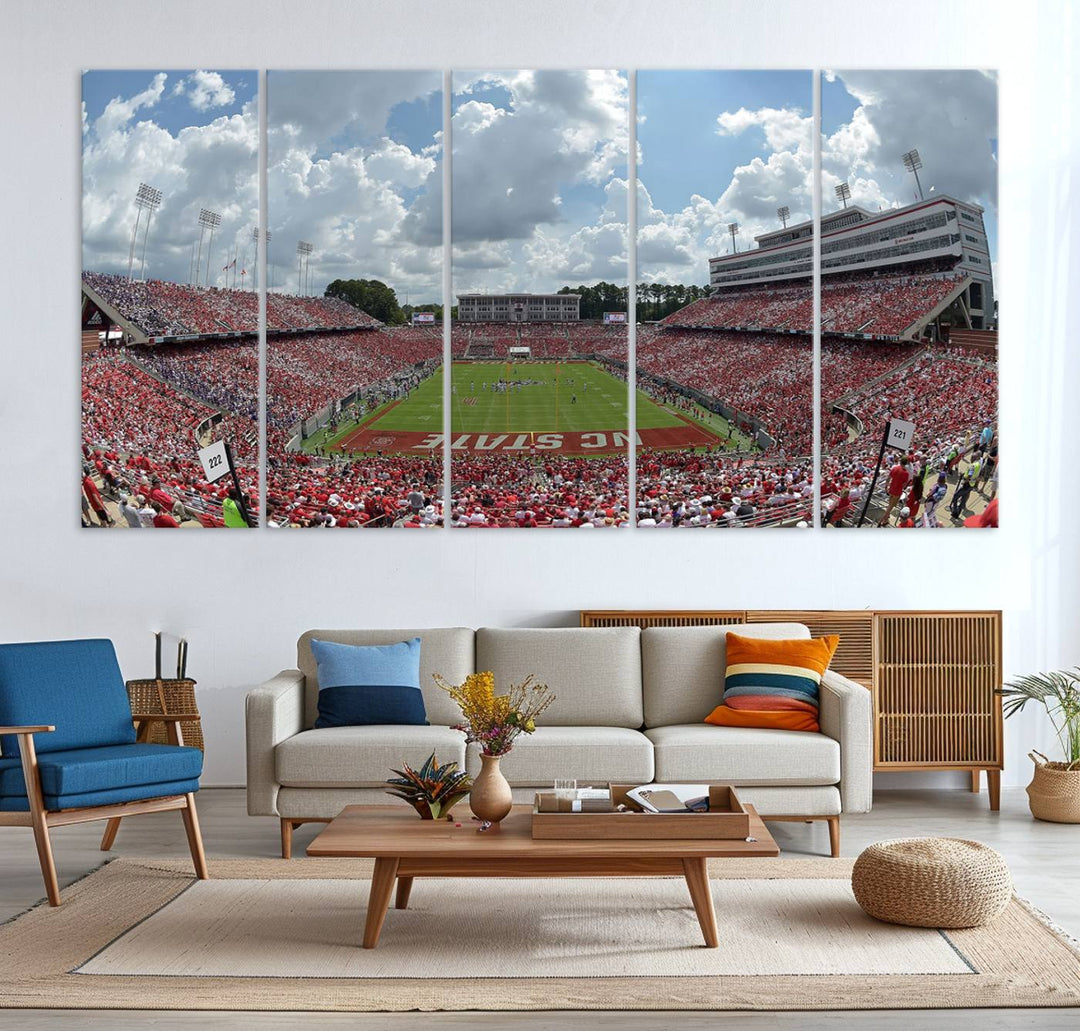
1044, 857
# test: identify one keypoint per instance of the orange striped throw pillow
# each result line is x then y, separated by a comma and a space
773, 684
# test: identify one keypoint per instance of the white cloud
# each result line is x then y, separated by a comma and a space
675, 246
537, 178
120, 110
213, 166
370, 205
206, 90
949, 116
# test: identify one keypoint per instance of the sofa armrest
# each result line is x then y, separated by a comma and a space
274, 711
846, 716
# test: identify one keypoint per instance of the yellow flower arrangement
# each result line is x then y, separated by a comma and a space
493, 720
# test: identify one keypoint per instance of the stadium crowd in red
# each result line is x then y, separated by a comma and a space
764, 375
880, 305
689, 488
505, 489
139, 440
161, 308
306, 372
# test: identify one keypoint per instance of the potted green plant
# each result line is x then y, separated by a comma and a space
1054, 792
432, 790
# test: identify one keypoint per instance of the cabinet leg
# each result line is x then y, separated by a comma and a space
993, 787
975, 781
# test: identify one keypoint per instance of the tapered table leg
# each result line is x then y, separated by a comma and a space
382, 886
697, 880
404, 888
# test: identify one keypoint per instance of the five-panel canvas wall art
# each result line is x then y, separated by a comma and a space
675, 299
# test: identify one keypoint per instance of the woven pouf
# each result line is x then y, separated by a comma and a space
932, 882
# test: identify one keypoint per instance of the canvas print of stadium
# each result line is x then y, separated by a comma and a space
539, 402
169, 305
354, 313
908, 304
724, 343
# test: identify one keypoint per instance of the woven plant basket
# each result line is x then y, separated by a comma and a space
1054, 791
166, 698
932, 882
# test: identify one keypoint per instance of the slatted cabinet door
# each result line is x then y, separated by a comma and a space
935, 701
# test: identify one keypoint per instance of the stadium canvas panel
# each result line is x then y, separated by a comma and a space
170, 204
354, 303
908, 299
724, 343
539, 402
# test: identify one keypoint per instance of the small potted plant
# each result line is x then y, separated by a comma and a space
1054, 792
432, 790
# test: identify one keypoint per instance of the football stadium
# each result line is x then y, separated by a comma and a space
539, 423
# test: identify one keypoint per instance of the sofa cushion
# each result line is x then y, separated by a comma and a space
355, 757
448, 651
773, 684
114, 796
586, 754
75, 686
84, 770
364, 684
743, 755
683, 667
594, 674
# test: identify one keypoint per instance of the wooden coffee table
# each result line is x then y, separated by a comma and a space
404, 846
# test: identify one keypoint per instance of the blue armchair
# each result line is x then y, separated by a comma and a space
68, 749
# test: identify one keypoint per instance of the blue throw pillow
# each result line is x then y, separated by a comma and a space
360, 685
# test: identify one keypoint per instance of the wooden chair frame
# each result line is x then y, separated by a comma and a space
41, 819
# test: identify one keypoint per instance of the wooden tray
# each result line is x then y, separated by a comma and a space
726, 819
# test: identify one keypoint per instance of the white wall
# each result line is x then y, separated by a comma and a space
243, 598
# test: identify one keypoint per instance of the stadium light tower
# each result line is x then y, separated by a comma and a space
912, 162
843, 193
303, 261
146, 199
733, 228
207, 220
783, 214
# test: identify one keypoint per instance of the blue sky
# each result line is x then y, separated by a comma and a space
172, 112
718, 147
681, 152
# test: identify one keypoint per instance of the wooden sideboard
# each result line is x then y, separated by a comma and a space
934, 676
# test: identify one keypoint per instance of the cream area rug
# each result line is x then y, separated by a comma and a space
268, 934
548, 928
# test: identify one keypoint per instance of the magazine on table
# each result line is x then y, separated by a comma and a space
671, 798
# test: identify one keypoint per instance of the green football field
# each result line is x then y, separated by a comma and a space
555, 397
564, 397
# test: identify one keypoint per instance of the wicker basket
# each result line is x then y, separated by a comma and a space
166, 698
932, 882
1054, 791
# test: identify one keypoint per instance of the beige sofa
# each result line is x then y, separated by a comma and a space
629, 707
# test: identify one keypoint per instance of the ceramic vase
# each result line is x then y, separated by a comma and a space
490, 798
